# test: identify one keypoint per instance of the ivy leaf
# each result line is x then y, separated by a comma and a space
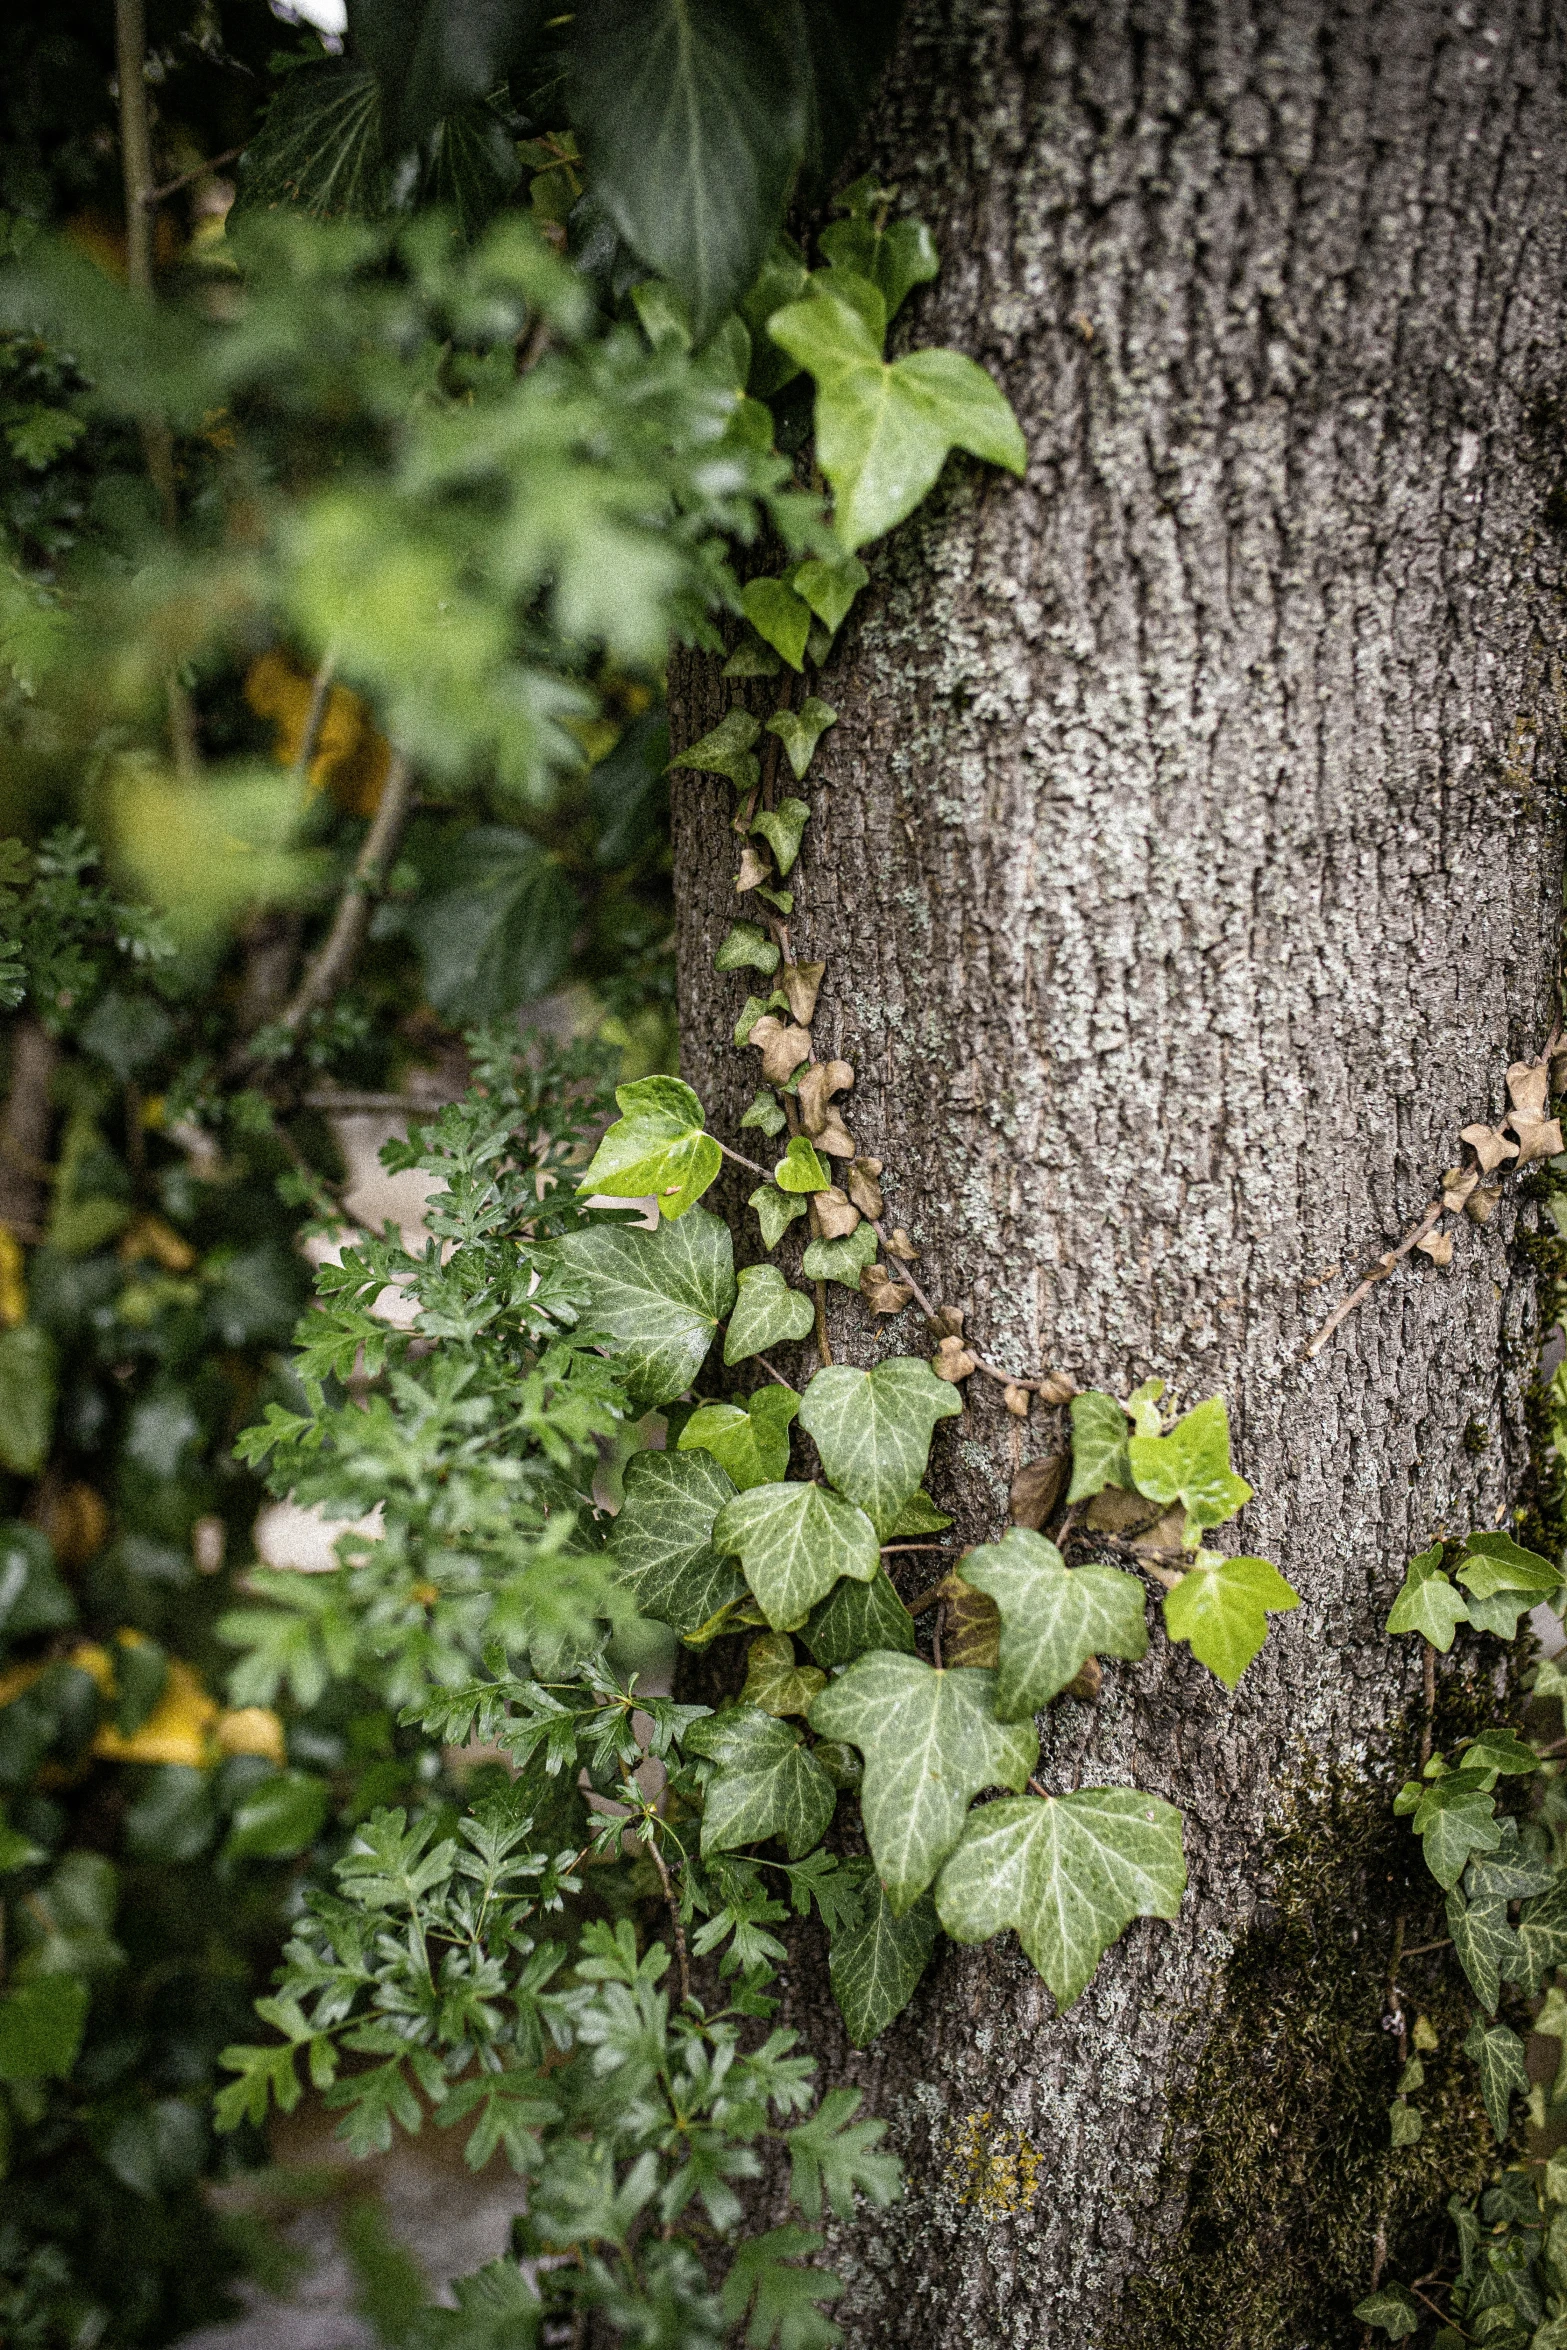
794, 1541
931, 1742
1069, 1872
764, 1113
1542, 1935
1503, 1580
1453, 1818
751, 1443
829, 585
767, 1782
1427, 1602
1053, 1617
773, 1680
657, 1144
775, 1211
1500, 1750
660, 1295
800, 1168
745, 946
767, 1313
780, 618
895, 258
693, 117
873, 1430
919, 1515
841, 1260
875, 1965
1498, 2055
662, 1540
883, 431
1221, 1607
1393, 2308
783, 828
800, 731
1192, 1465
726, 751
1485, 1944
1099, 1440
857, 1617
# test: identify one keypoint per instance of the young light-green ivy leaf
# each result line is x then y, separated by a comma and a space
780, 617
660, 1295
1427, 1602
1221, 1607
661, 1543
841, 1260
800, 731
775, 1211
1454, 1817
1502, 1751
875, 1965
857, 1617
794, 1541
1143, 1405
895, 258
883, 431
1503, 1581
773, 1679
873, 1430
745, 946
767, 1782
1053, 1617
726, 751
658, 1145
1498, 2055
931, 1742
751, 1445
801, 1168
829, 585
767, 1313
1099, 1440
1192, 1465
1068, 1872
783, 828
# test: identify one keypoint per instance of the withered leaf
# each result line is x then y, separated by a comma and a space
1490, 1146
1086, 1682
1037, 1489
901, 1246
946, 1322
837, 1216
864, 1189
818, 1085
881, 1293
1538, 1138
1057, 1387
971, 1633
1114, 1510
1017, 1401
1482, 1204
834, 1137
1166, 1538
1457, 1184
1528, 1086
801, 984
1438, 1246
952, 1361
782, 1049
753, 868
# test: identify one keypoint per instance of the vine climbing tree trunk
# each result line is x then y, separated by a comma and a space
1186, 861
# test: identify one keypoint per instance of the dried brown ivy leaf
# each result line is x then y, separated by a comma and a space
952, 1361
1057, 1387
864, 1189
1166, 1537
1086, 1682
1490, 1146
802, 984
1037, 1489
837, 1216
1457, 1184
1482, 1204
1017, 1401
753, 869
1538, 1138
881, 1293
821, 1081
782, 1049
1438, 1246
902, 1247
1115, 1511
971, 1634
946, 1322
1528, 1086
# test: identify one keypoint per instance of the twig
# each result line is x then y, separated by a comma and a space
326, 971
741, 1160
681, 1959
320, 688
130, 42
892, 1549
154, 196
1379, 1272
1421, 1949
778, 1375
1429, 1681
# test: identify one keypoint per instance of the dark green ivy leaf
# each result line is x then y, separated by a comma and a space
1498, 2053
660, 1294
767, 1783
857, 1617
494, 922
875, 1964
662, 1539
1393, 2308
1542, 1935
1485, 1944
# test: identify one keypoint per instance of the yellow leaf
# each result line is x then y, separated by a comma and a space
253, 1729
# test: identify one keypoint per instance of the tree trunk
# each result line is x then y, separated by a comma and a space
1186, 862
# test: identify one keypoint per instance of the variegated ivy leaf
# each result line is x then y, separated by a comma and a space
857, 1617
801, 730
745, 946
1427, 1602
1221, 1607
783, 828
1068, 1872
1053, 1617
764, 1112
659, 1295
750, 1442
1503, 1580
774, 1681
800, 1168
931, 1742
873, 1430
656, 1145
1192, 1466
726, 751
1454, 1816
661, 1543
794, 1541
829, 585
775, 1211
767, 1313
875, 1964
767, 1782
1099, 1438
1498, 2055
841, 1260
1483, 1943
780, 617
1542, 1936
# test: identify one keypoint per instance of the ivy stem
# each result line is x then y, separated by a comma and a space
778, 1375
681, 1959
1429, 1677
741, 1160
1420, 1949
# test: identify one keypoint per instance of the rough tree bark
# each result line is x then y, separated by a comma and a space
1187, 863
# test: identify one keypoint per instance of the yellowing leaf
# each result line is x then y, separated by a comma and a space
1192, 1466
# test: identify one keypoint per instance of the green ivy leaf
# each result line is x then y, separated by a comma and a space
1391, 2307
1484, 1943
800, 731
783, 828
1498, 2055
1404, 2123
931, 1742
726, 751
873, 1430
764, 1114
780, 617
774, 1681
883, 431
662, 1540
745, 946
1427, 1602
775, 1211
28, 1388
1069, 1872
656, 1145
857, 1617
829, 585
751, 1444
801, 1168
1192, 1465
492, 919
1453, 1818
1099, 1440
794, 1541
1501, 1750
1542, 1936
1053, 1617
783, 278
895, 259
875, 1965
841, 1260
767, 1782
41, 2027
919, 1515
1503, 1582
660, 1295
767, 1312
1221, 1607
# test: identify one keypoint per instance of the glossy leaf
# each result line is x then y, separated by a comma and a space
320, 145
895, 259
767, 1312
1503, 1582
1499, 2059
1221, 1607
873, 1430
875, 1965
1484, 1944
801, 1168
660, 1295
1454, 1817
750, 1442
662, 1539
794, 1541
656, 1145
767, 1782
857, 1617
780, 618
1053, 1617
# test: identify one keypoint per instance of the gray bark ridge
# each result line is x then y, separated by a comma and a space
1187, 864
